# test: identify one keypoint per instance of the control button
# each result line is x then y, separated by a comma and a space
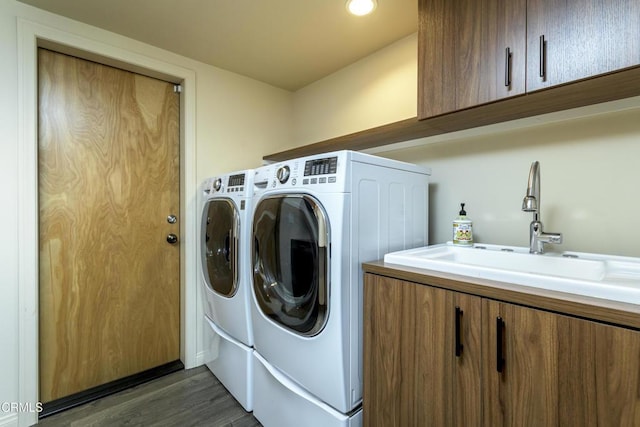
322, 180
305, 181
314, 180
217, 184
283, 174
332, 179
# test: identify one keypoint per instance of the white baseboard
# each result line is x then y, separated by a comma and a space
9, 420
199, 362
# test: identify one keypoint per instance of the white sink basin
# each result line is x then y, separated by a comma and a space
601, 276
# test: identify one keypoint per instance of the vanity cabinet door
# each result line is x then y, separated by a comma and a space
470, 52
557, 370
598, 374
467, 360
569, 40
520, 369
407, 377
412, 376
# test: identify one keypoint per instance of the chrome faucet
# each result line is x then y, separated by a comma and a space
531, 203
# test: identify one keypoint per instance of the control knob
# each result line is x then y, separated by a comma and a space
283, 174
217, 184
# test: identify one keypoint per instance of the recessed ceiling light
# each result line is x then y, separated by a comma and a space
361, 7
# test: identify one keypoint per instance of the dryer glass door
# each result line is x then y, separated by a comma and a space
220, 222
291, 262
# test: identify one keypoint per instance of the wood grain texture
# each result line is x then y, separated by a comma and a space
525, 392
404, 339
467, 372
584, 38
461, 53
108, 177
185, 398
504, 26
598, 374
619, 313
558, 371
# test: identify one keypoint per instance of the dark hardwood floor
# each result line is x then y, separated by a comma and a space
184, 398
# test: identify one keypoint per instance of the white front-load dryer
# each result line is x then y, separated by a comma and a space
225, 258
319, 218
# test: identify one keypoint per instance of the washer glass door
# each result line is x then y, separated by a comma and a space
291, 261
220, 222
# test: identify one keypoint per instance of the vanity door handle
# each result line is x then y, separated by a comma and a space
499, 344
459, 346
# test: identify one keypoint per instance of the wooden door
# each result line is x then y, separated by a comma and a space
466, 314
523, 391
582, 38
108, 179
462, 53
598, 374
407, 377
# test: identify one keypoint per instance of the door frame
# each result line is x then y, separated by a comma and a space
31, 36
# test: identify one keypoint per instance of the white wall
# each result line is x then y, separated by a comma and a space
588, 164
379, 89
589, 182
238, 120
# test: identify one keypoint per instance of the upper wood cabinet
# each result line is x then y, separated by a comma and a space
486, 54
577, 39
474, 52
470, 52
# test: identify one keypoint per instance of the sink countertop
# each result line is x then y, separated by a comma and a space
609, 311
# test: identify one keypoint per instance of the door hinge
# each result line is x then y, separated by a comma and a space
177, 88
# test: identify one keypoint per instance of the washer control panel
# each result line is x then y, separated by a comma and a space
233, 184
309, 173
316, 171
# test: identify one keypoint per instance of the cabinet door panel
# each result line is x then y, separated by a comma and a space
467, 390
504, 26
525, 392
462, 53
599, 374
407, 359
582, 38
436, 57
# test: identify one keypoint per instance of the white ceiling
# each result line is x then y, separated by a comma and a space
286, 43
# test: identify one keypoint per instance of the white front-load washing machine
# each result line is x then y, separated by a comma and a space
226, 268
318, 219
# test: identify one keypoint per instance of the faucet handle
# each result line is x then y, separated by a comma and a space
551, 237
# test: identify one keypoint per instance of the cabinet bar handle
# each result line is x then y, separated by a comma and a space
543, 58
507, 67
499, 344
459, 346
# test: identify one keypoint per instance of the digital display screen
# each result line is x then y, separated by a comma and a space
325, 166
235, 180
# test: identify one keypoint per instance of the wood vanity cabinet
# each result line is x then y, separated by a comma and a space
412, 376
514, 366
464, 47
